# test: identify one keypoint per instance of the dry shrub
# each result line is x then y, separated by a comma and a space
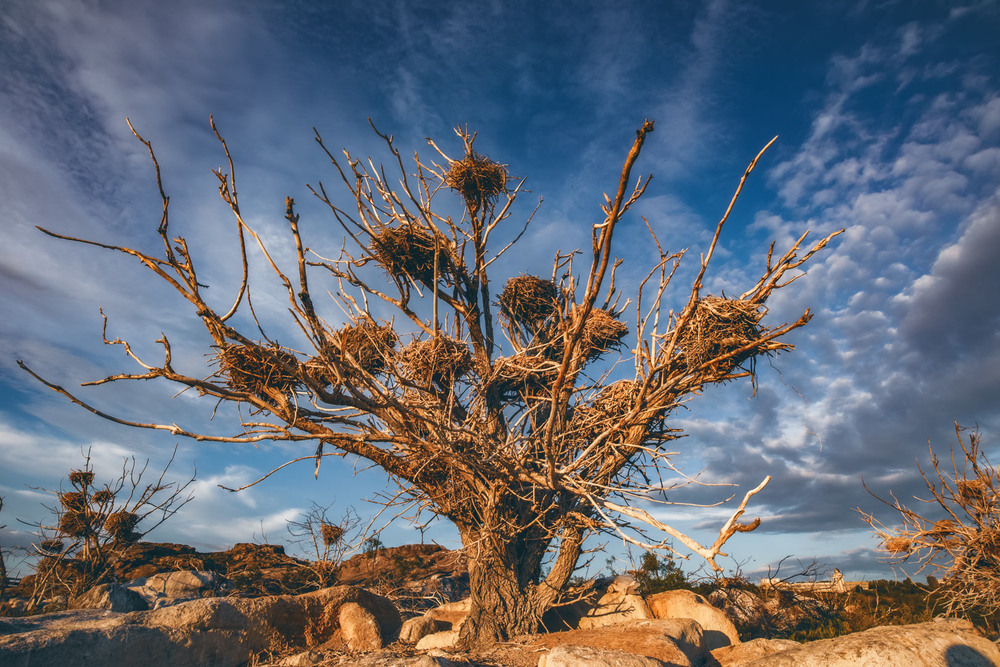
898, 545
121, 526
442, 360
408, 250
81, 478
719, 326
477, 178
254, 369
361, 346
528, 299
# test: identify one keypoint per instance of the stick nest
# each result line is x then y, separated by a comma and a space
523, 373
73, 501
362, 346
477, 178
121, 526
75, 523
254, 369
528, 299
717, 327
442, 360
408, 250
81, 478
898, 545
331, 533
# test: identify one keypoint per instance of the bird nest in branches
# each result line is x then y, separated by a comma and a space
73, 501
75, 523
121, 526
607, 411
408, 251
477, 178
529, 373
898, 545
360, 346
976, 492
720, 326
528, 299
254, 369
102, 497
331, 533
442, 360
81, 478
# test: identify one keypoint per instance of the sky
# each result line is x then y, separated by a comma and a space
888, 118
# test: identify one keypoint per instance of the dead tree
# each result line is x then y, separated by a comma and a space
486, 406
958, 534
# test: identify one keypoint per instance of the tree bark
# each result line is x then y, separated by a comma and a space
503, 589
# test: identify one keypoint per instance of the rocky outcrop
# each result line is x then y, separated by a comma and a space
719, 630
942, 643
675, 642
615, 608
739, 654
216, 631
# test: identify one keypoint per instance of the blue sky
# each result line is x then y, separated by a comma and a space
889, 121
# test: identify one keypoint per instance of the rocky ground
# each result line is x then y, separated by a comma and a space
403, 606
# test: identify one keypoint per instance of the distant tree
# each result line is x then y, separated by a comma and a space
657, 574
325, 540
95, 524
488, 407
956, 530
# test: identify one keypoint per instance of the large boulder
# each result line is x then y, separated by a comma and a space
112, 597
184, 585
742, 653
942, 643
676, 642
216, 631
573, 656
719, 630
615, 608
418, 627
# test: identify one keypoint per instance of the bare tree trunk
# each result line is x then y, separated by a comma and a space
503, 589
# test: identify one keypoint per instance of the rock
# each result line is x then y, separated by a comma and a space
185, 584
418, 627
216, 631
113, 597
360, 627
615, 608
676, 642
734, 656
574, 656
625, 584
438, 640
942, 643
452, 613
719, 630
304, 659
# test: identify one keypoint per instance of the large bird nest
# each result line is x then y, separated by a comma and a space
81, 478
121, 526
75, 523
601, 333
360, 346
528, 299
477, 178
441, 360
718, 327
611, 405
523, 373
73, 501
408, 250
254, 369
